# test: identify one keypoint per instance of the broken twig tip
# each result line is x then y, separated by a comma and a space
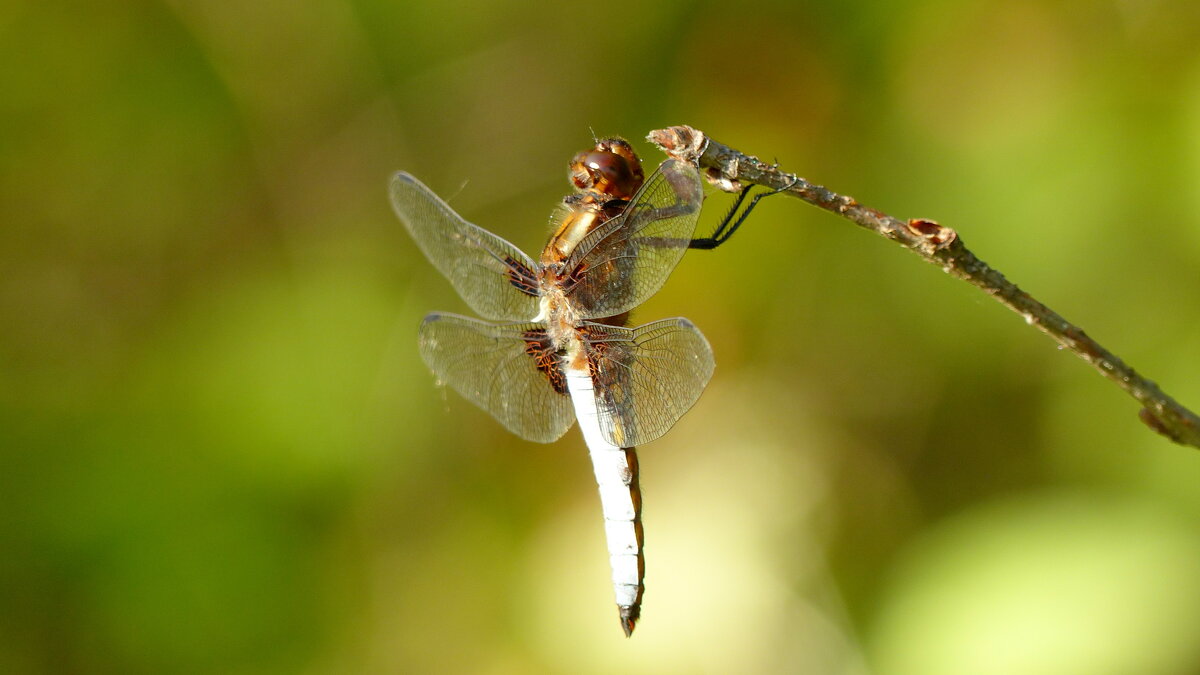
680, 142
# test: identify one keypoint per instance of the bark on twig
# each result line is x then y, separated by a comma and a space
727, 167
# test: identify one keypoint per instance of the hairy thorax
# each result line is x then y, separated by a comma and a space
561, 319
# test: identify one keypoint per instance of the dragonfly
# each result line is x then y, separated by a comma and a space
557, 347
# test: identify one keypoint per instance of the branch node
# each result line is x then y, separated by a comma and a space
938, 236
1152, 420
722, 182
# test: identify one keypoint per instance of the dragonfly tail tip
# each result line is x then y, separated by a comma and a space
629, 617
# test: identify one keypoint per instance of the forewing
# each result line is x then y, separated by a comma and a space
646, 378
494, 277
506, 369
628, 258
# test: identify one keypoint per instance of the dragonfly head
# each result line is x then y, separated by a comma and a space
611, 168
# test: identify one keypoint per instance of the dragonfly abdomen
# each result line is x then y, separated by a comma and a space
616, 472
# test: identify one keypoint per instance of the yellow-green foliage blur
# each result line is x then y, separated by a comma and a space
221, 453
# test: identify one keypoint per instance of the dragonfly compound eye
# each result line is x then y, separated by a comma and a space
610, 172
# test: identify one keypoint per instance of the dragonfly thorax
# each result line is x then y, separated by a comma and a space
576, 219
557, 312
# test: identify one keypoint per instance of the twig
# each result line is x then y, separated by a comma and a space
941, 246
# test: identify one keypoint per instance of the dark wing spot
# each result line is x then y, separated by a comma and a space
547, 360
520, 276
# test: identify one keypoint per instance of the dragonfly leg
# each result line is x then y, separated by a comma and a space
730, 224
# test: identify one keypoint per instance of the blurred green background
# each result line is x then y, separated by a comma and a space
220, 452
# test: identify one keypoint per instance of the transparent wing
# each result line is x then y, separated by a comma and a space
647, 377
494, 277
628, 258
509, 370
